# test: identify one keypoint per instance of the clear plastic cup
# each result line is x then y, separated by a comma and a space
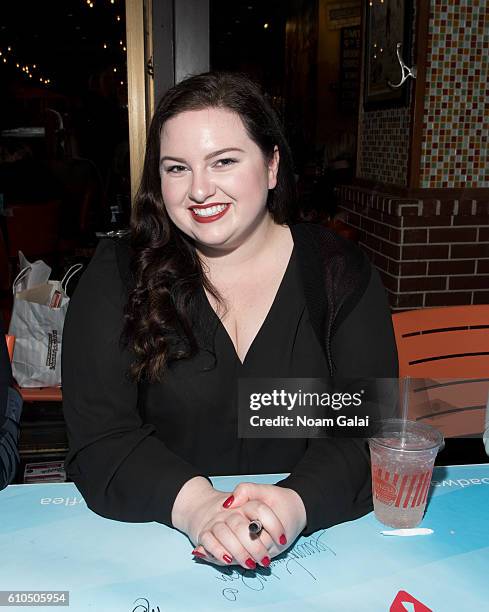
402, 456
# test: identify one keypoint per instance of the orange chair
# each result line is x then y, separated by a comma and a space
41, 394
35, 394
10, 340
445, 352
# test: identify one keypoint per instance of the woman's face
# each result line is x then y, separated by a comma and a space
214, 178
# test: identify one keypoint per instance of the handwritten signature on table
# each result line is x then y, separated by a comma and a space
256, 580
144, 606
292, 561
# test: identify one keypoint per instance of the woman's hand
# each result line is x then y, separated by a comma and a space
222, 534
285, 503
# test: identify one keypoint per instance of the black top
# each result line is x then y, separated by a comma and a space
130, 465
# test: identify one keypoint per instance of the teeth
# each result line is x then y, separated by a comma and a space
208, 212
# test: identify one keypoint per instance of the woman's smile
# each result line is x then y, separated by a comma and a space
209, 212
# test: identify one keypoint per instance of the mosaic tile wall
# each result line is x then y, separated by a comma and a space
456, 128
384, 145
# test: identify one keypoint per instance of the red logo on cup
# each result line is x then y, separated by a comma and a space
403, 597
385, 492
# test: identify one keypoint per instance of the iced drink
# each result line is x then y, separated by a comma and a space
402, 457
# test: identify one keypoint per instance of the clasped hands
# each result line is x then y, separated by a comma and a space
217, 523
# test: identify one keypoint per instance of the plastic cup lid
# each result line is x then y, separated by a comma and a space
399, 434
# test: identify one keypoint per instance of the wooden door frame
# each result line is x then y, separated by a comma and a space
137, 87
166, 41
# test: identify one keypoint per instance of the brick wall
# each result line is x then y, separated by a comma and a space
430, 252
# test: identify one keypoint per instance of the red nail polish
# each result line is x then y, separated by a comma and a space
227, 558
250, 563
283, 539
197, 553
265, 561
228, 501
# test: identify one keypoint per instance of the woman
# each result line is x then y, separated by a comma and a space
216, 286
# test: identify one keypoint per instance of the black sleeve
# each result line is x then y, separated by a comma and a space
5, 374
123, 470
333, 478
10, 409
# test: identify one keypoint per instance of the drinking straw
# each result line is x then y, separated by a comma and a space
405, 407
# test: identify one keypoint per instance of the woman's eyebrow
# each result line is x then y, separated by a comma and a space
208, 156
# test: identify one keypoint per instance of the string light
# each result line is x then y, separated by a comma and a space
265, 25
25, 68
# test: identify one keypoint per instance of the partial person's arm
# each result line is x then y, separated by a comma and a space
5, 374
122, 469
10, 410
333, 478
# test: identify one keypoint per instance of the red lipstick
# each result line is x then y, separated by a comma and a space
210, 218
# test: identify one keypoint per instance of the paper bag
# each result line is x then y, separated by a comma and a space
37, 321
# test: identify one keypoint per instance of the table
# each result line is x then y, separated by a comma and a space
49, 540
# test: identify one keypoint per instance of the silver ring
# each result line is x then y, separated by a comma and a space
255, 527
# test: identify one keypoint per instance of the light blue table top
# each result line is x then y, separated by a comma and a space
50, 540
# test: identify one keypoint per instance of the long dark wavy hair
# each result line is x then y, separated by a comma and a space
166, 269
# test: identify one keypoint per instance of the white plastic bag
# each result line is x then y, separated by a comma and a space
37, 321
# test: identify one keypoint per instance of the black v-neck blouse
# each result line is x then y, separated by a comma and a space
130, 463
195, 405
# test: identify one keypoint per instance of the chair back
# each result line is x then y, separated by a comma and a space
10, 340
445, 352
